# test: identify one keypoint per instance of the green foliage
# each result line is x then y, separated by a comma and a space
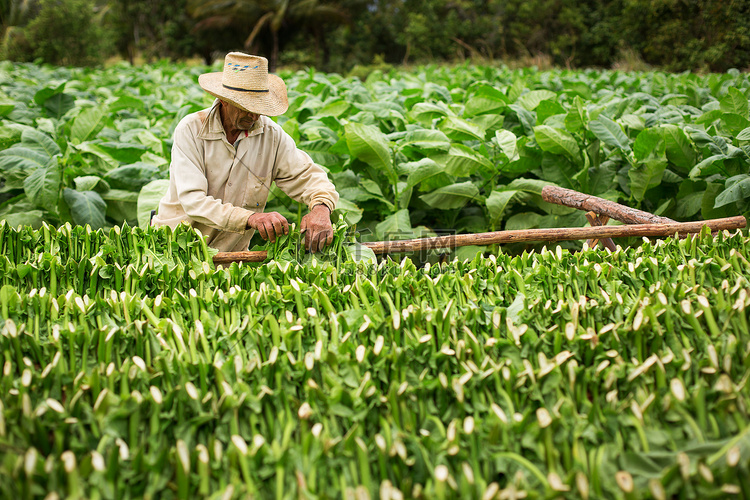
464, 149
68, 32
555, 374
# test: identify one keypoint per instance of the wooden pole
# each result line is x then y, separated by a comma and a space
589, 203
526, 235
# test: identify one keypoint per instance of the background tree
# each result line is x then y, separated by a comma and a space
277, 19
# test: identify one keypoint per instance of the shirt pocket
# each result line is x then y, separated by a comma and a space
257, 193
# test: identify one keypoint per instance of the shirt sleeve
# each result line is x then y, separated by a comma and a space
299, 177
189, 174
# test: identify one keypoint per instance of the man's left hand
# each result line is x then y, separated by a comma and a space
317, 228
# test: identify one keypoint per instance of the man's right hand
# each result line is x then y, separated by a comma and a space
269, 225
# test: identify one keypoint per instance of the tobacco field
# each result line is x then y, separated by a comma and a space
132, 367
412, 153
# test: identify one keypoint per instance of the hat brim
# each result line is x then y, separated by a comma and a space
271, 103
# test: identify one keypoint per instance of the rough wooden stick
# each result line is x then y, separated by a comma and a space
599, 220
554, 234
587, 202
527, 235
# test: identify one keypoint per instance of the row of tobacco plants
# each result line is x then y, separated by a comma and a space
411, 152
133, 368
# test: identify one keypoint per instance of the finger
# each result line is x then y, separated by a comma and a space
262, 231
270, 231
277, 226
285, 225
319, 241
329, 238
308, 239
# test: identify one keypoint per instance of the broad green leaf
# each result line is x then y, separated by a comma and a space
525, 117
291, 127
87, 124
126, 102
396, 227
10, 133
91, 183
426, 139
577, 116
420, 170
120, 195
23, 158
33, 218
360, 253
523, 220
558, 142
532, 99
101, 154
679, 149
602, 178
357, 194
43, 186
469, 252
459, 129
132, 177
127, 153
497, 202
610, 133
744, 135
633, 122
708, 205
515, 90
151, 141
735, 102
55, 101
464, 161
734, 123
548, 108
507, 142
86, 207
334, 108
369, 144
688, 205
351, 212
6, 106
37, 140
737, 189
645, 176
149, 198
371, 187
485, 99
560, 171
711, 165
452, 196
650, 142
533, 186
425, 112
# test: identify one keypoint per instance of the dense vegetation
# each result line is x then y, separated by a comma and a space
132, 368
465, 149
336, 35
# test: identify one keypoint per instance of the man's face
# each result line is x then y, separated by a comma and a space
237, 118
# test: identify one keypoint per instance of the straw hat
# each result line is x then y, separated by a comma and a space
245, 82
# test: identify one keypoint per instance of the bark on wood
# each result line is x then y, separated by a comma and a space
587, 202
526, 235
599, 220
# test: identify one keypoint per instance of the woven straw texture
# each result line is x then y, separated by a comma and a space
245, 83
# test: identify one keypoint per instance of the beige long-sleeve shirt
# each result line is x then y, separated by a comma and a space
215, 186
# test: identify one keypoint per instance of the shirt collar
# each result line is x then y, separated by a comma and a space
213, 129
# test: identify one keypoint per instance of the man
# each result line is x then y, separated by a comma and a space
224, 159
